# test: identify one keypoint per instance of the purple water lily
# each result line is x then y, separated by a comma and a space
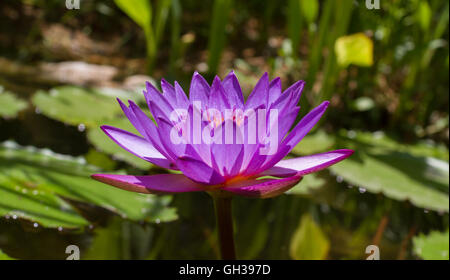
221, 144
234, 168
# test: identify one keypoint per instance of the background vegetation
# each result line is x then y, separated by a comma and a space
384, 70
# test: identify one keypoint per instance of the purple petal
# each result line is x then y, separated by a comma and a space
169, 93
305, 125
259, 94
296, 90
218, 98
297, 134
307, 164
233, 90
264, 188
149, 128
132, 118
174, 147
154, 184
136, 145
227, 155
199, 90
156, 100
198, 171
182, 100
274, 90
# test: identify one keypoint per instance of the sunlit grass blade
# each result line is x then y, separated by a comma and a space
217, 34
294, 24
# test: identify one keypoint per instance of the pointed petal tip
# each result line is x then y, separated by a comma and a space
346, 152
106, 127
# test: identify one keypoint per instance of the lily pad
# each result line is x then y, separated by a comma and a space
434, 246
379, 140
10, 105
401, 176
314, 143
75, 105
307, 185
39, 206
42, 171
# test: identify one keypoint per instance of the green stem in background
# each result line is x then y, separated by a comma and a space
294, 25
342, 18
217, 33
224, 220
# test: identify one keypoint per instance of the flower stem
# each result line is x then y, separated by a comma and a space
224, 222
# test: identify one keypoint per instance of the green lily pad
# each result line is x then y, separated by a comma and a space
10, 105
39, 206
75, 105
318, 142
379, 140
53, 174
307, 185
105, 144
434, 246
401, 176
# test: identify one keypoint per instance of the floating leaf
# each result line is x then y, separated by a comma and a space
308, 241
434, 246
103, 143
69, 177
354, 49
401, 176
74, 105
21, 201
308, 184
379, 140
10, 105
314, 143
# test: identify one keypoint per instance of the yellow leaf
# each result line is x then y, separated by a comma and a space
354, 49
